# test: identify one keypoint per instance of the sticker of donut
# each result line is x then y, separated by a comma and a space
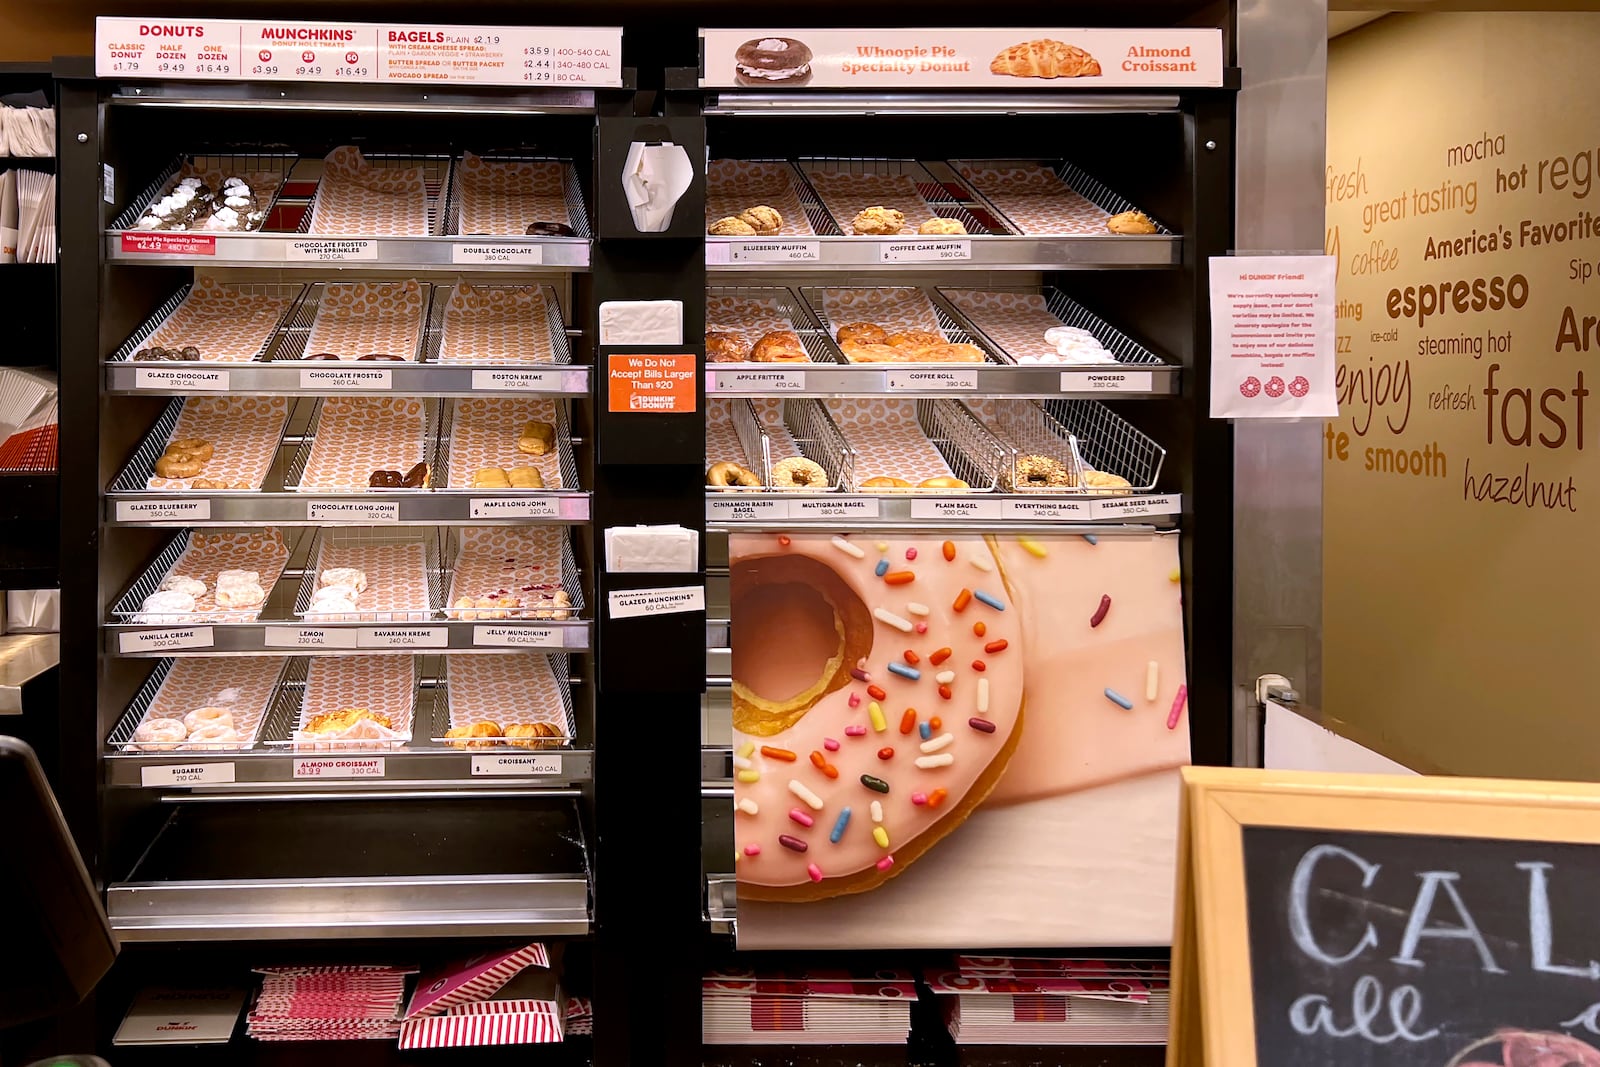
877, 700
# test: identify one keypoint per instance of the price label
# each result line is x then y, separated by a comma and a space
844, 508
323, 250
530, 766
403, 637
339, 767
633, 603
174, 380
188, 774
136, 642
519, 381
1108, 381
329, 377
548, 507
756, 381
309, 637
923, 251
518, 637
956, 508
744, 507
357, 511
774, 251
925, 380
163, 510
108, 183
486, 255
169, 244
1129, 507
1043, 510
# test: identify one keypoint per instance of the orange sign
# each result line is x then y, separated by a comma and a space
660, 384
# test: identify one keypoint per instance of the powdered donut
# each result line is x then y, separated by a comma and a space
877, 698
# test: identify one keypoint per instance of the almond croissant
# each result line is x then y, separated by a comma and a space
1045, 58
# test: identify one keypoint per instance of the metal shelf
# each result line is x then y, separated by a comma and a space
896, 255
978, 511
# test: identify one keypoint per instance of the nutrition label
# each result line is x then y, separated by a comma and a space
350, 52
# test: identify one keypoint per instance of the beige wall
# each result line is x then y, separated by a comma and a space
1462, 621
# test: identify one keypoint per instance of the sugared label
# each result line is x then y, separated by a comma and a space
956, 508
339, 767
744, 507
173, 379
146, 641
326, 377
170, 244
518, 637
774, 251
359, 511
923, 251
1107, 381
1128, 507
188, 774
323, 250
484, 255
514, 507
163, 510
843, 508
309, 637
632, 603
403, 637
1043, 508
499, 766
932, 379
518, 381
756, 381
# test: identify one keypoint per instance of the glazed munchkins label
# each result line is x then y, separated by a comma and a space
960, 58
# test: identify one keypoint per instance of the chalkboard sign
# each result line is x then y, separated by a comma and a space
1386, 922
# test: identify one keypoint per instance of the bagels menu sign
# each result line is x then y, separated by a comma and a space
241, 50
961, 58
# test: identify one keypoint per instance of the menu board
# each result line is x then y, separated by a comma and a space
1030, 59
362, 53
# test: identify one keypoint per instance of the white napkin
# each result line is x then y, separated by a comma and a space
654, 179
653, 549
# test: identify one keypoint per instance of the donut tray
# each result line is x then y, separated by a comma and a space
1012, 320
732, 185
405, 580
506, 689
917, 440
249, 451
480, 556
756, 310
207, 314
482, 432
344, 205
560, 191
201, 554
351, 319
764, 432
390, 685
1081, 435
843, 187
276, 166
1076, 204
358, 439
527, 329
894, 308
179, 686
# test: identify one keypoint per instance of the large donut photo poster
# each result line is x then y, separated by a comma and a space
960, 741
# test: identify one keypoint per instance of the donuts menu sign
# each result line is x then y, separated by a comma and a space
427, 54
961, 58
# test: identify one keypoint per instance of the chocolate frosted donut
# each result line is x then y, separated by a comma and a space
773, 61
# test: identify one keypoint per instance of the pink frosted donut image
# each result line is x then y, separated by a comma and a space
877, 700
1528, 1048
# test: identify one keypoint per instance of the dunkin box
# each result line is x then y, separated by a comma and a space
494, 998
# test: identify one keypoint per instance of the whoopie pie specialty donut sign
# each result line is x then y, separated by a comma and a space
960, 58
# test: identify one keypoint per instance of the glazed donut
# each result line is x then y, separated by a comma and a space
846, 776
797, 472
914, 339
722, 475
1040, 472
179, 465
207, 717
198, 447
943, 483
886, 485
863, 333
159, 735
211, 737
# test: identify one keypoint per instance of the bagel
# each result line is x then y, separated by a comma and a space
1040, 472
1107, 483
798, 472
724, 475
886, 485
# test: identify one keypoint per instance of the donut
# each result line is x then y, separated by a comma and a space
207, 717
211, 737
772, 61
886, 485
537, 438
354, 577
1040, 472
861, 682
179, 465
943, 483
159, 735
914, 339
178, 583
797, 472
198, 447
725, 474
862, 333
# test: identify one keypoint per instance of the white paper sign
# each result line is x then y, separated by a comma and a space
495, 766
336, 377
923, 251
932, 379
309, 637
518, 637
1107, 381
163, 510
845, 508
1130, 507
956, 508
1272, 337
756, 381
518, 381
362, 511
339, 767
325, 250
774, 251
188, 774
487, 254
403, 637
173, 379
144, 641
672, 600
1047, 509
744, 507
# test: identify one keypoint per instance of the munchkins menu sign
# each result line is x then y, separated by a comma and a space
1385, 922
960, 58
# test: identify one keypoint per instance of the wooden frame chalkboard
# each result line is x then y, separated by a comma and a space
1377, 921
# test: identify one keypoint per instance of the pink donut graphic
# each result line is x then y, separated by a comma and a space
1251, 386
1274, 386
1299, 387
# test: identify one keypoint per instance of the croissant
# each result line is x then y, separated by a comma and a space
1045, 58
